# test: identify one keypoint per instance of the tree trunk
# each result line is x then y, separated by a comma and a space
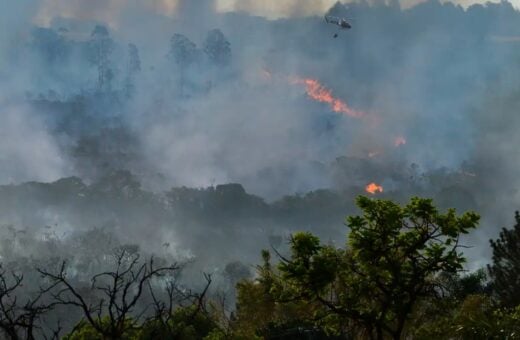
399, 331
379, 333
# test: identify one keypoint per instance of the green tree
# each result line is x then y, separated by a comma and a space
258, 312
84, 330
476, 317
185, 323
460, 286
392, 261
505, 267
114, 297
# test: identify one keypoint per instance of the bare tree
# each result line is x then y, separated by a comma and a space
112, 311
178, 297
22, 320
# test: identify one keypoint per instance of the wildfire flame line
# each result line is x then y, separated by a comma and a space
320, 93
373, 188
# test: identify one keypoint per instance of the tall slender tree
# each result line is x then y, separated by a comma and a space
504, 270
101, 47
133, 67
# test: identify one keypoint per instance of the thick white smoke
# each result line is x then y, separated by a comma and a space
28, 152
441, 76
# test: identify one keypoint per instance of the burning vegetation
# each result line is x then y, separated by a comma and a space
318, 92
373, 188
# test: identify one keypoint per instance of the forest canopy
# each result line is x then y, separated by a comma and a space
400, 274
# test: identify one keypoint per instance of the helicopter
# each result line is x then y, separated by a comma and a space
342, 23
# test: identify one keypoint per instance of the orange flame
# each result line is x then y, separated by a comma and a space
398, 141
320, 93
373, 188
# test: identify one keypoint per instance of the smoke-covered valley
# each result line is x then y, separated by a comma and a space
128, 130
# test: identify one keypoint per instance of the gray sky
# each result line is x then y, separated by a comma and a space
108, 10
